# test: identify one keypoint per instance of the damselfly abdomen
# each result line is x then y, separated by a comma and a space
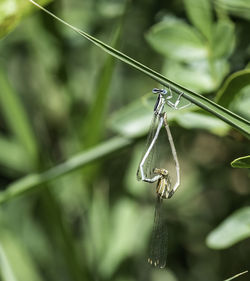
159, 237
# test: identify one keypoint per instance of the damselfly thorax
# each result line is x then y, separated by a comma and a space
163, 187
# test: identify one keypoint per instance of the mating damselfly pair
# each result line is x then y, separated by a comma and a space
147, 172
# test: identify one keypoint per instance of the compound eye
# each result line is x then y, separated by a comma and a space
157, 171
164, 172
170, 194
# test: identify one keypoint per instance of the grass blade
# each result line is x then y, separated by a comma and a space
31, 181
237, 275
16, 263
16, 118
241, 162
94, 124
13, 156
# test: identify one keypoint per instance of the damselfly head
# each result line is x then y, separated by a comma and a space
163, 172
159, 91
163, 187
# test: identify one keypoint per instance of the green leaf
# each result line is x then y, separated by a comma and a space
11, 12
13, 156
15, 261
232, 230
111, 9
167, 275
229, 117
125, 217
197, 75
98, 228
130, 120
177, 40
232, 86
223, 39
16, 117
241, 103
9, 16
241, 162
191, 120
200, 14
240, 8
134, 119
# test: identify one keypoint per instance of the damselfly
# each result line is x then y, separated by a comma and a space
146, 172
158, 243
146, 169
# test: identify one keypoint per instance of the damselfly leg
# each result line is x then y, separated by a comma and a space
175, 104
174, 153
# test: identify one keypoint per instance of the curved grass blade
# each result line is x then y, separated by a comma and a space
241, 162
232, 87
224, 114
237, 275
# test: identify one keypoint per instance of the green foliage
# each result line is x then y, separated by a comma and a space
16, 263
201, 101
239, 8
17, 120
234, 229
97, 114
200, 14
174, 38
65, 106
31, 181
196, 56
9, 16
13, 156
197, 120
241, 162
11, 12
233, 86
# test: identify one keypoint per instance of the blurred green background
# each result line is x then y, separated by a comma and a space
62, 100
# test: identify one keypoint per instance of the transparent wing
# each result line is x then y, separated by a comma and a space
158, 243
151, 160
